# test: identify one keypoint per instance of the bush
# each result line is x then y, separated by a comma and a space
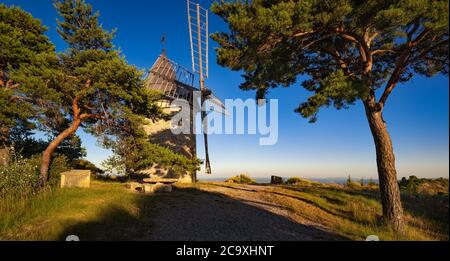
21, 176
60, 163
243, 179
354, 185
424, 186
296, 181
86, 165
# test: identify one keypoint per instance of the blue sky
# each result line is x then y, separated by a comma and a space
337, 145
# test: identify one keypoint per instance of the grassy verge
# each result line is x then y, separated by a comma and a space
107, 211
54, 214
356, 213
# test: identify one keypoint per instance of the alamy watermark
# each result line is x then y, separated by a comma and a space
252, 117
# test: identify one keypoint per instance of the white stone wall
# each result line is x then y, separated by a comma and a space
160, 133
76, 178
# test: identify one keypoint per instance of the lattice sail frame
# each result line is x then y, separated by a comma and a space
198, 35
177, 82
173, 80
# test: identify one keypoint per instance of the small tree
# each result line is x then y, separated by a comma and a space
351, 50
349, 181
136, 153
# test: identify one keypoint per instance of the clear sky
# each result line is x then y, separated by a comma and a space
337, 145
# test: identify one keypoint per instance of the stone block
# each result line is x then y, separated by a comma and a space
276, 180
148, 188
157, 188
76, 178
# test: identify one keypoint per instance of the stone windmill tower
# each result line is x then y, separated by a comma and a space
177, 83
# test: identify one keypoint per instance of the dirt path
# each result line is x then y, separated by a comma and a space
227, 213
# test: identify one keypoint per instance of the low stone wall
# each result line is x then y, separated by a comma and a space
148, 188
76, 178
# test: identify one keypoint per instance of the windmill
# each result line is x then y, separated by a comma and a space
177, 82
198, 35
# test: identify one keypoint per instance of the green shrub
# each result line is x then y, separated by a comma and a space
424, 186
60, 163
86, 165
242, 178
21, 176
354, 185
296, 181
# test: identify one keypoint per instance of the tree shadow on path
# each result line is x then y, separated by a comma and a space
188, 214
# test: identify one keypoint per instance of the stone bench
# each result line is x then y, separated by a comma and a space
76, 178
156, 185
149, 188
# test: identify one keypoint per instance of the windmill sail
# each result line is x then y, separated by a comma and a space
198, 33
171, 79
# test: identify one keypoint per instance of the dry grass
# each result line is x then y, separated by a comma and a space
353, 213
107, 211
51, 215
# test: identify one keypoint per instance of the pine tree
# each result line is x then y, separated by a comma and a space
98, 91
89, 86
350, 51
22, 42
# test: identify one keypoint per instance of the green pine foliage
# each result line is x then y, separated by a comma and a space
342, 52
89, 86
27, 146
86, 165
22, 43
20, 177
137, 154
348, 49
79, 26
414, 184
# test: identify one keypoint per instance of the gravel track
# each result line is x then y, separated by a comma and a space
226, 213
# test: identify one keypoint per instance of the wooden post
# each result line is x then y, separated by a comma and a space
202, 89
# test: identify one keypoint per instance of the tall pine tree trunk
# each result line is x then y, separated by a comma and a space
387, 173
47, 154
